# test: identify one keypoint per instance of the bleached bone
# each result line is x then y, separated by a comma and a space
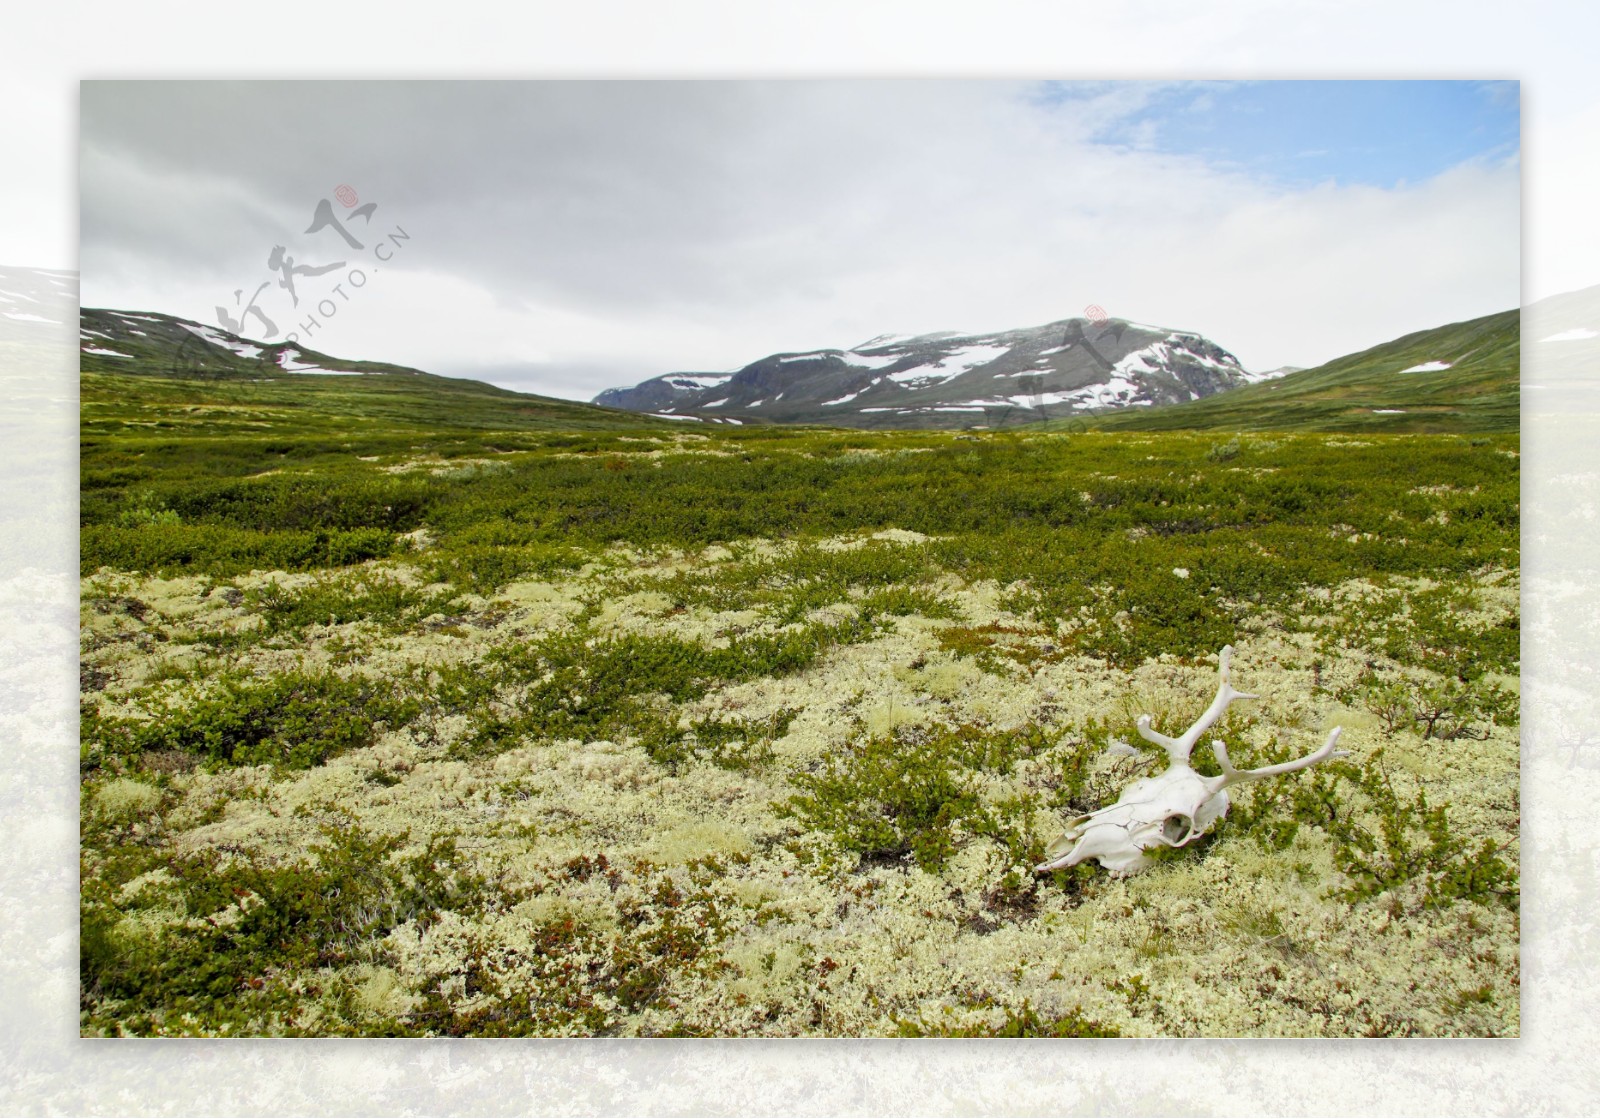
1175, 807
1231, 776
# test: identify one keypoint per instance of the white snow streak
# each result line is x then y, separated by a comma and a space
698, 382
217, 338
842, 399
951, 366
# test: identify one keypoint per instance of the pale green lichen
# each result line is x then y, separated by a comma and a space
711, 912
124, 798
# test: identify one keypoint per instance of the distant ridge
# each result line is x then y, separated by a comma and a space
949, 380
1460, 377
147, 345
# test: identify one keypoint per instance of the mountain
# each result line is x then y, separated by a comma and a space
133, 359
1563, 338
166, 346
34, 297
950, 380
39, 499
37, 306
1455, 378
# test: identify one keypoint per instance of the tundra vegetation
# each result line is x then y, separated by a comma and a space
393, 727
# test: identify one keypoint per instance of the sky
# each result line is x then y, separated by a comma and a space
566, 237
48, 48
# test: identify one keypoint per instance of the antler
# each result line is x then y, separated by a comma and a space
1178, 749
1231, 776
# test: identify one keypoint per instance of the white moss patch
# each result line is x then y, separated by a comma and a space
124, 798
654, 897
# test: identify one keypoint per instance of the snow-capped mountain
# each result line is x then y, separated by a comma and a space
167, 346
1563, 334
955, 380
36, 303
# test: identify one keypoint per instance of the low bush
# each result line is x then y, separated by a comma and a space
294, 720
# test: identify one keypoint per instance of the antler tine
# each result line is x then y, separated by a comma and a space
1175, 751
1179, 749
1231, 776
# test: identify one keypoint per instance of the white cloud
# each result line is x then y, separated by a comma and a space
1564, 227
579, 235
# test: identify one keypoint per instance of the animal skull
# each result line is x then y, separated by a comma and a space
1172, 808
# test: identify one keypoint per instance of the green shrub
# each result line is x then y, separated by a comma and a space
1223, 452
234, 976
885, 798
1414, 841
293, 720
166, 547
148, 510
739, 744
361, 597
1381, 840
485, 568
574, 685
1447, 709
1027, 1022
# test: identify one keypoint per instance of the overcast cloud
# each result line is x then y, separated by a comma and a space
567, 237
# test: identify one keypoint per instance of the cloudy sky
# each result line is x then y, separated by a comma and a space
564, 237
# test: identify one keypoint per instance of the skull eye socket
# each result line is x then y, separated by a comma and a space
1175, 828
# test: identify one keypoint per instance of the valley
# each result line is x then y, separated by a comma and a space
413, 707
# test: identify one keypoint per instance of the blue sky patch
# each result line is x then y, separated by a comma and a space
1302, 133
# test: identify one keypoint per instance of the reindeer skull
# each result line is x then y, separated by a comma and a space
1172, 808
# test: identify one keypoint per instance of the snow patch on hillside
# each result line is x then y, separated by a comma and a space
1576, 334
217, 338
1148, 360
1269, 375
288, 361
1171, 351
950, 366
872, 361
849, 357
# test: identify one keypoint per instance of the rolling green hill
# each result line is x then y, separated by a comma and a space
403, 406
391, 683
170, 407
162, 376
1371, 391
